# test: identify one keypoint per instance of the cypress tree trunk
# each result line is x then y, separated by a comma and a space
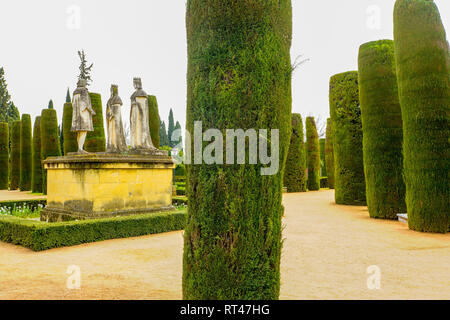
295, 170
239, 76
4, 156
422, 59
50, 146
153, 114
25, 153
312, 155
95, 140
15, 155
69, 137
383, 132
329, 155
36, 179
347, 134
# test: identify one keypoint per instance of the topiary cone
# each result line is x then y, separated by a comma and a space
36, 179
25, 153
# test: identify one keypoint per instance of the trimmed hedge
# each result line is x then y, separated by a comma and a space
153, 119
239, 76
329, 155
4, 156
312, 155
69, 137
50, 146
383, 132
15, 155
95, 140
39, 236
347, 135
179, 200
423, 67
295, 169
36, 178
323, 167
26, 169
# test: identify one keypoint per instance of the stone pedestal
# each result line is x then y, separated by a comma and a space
94, 186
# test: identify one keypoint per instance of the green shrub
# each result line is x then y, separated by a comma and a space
295, 169
179, 201
33, 204
324, 182
154, 121
26, 169
50, 146
95, 140
36, 178
239, 76
15, 155
423, 67
180, 170
347, 135
323, 167
69, 137
312, 155
383, 133
329, 155
4, 156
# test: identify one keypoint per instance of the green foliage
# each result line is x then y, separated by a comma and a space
8, 111
295, 169
70, 138
163, 137
239, 76
312, 155
50, 146
50, 104
329, 156
95, 140
36, 178
180, 170
39, 236
383, 133
171, 128
15, 155
68, 98
423, 68
4, 156
26, 169
323, 167
154, 121
347, 135
323, 182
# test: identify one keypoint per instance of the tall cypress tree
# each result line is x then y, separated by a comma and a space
15, 155
295, 170
50, 146
323, 167
329, 155
171, 128
154, 121
25, 153
4, 156
163, 137
312, 155
69, 137
96, 140
50, 104
36, 179
239, 76
68, 98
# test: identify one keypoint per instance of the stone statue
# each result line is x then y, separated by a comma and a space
139, 119
82, 113
116, 137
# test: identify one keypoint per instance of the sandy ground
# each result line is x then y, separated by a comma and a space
18, 195
327, 251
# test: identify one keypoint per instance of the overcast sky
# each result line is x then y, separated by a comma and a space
147, 38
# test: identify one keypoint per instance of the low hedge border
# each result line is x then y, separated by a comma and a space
40, 236
179, 201
32, 204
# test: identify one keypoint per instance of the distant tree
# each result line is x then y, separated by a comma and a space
68, 98
50, 104
163, 137
171, 127
8, 111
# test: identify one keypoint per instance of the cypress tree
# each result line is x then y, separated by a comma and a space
154, 121
163, 138
180, 139
68, 98
312, 155
50, 146
95, 140
382, 126
50, 104
25, 153
323, 167
4, 156
69, 137
8, 111
329, 155
15, 155
347, 135
295, 169
36, 179
423, 68
171, 128
239, 76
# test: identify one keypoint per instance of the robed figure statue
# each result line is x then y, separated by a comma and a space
116, 137
139, 119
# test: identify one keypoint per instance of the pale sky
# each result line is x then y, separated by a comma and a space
147, 38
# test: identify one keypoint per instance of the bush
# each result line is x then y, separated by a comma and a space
295, 169
312, 155
383, 132
347, 135
154, 121
329, 155
95, 140
26, 170
15, 155
423, 67
180, 170
239, 76
50, 146
36, 178
69, 137
4, 156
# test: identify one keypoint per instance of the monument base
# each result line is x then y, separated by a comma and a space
92, 186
